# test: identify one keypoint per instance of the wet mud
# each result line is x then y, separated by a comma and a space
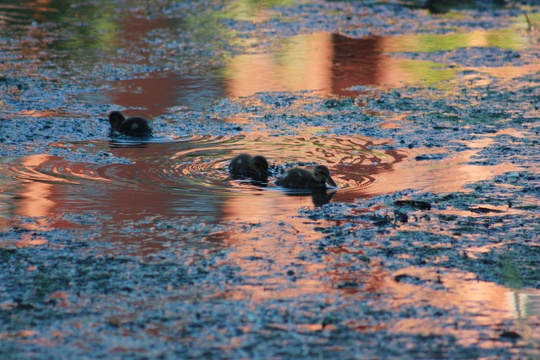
148, 248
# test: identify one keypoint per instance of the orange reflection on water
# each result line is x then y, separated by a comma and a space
304, 63
444, 300
40, 113
36, 195
46, 194
262, 207
328, 64
271, 250
323, 62
487, 302
447, 175
511, 72
37, 202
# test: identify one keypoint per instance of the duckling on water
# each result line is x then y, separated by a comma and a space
304, 179
255, 167
133, 126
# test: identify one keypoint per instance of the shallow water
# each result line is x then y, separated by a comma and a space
188, 176
174, 192
188, 179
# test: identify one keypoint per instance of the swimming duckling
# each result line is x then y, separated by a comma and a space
255, 167
304, 179
133, 126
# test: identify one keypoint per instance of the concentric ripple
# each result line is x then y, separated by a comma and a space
189, 177
51, 169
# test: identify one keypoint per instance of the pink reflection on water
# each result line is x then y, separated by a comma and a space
156, 93
181, 179
490, 303
304, 63
322, 62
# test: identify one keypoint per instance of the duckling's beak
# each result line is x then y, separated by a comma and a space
330, 181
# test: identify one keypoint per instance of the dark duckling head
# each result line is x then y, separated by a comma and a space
322, 174
304, 179
133, 126
116, 119
254, 167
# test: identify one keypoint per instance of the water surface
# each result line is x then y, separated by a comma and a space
174, 193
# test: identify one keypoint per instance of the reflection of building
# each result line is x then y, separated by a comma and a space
356, 62
302, 63
323, 62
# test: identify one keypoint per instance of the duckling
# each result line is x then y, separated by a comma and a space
244, 165
133, 126
304, 179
